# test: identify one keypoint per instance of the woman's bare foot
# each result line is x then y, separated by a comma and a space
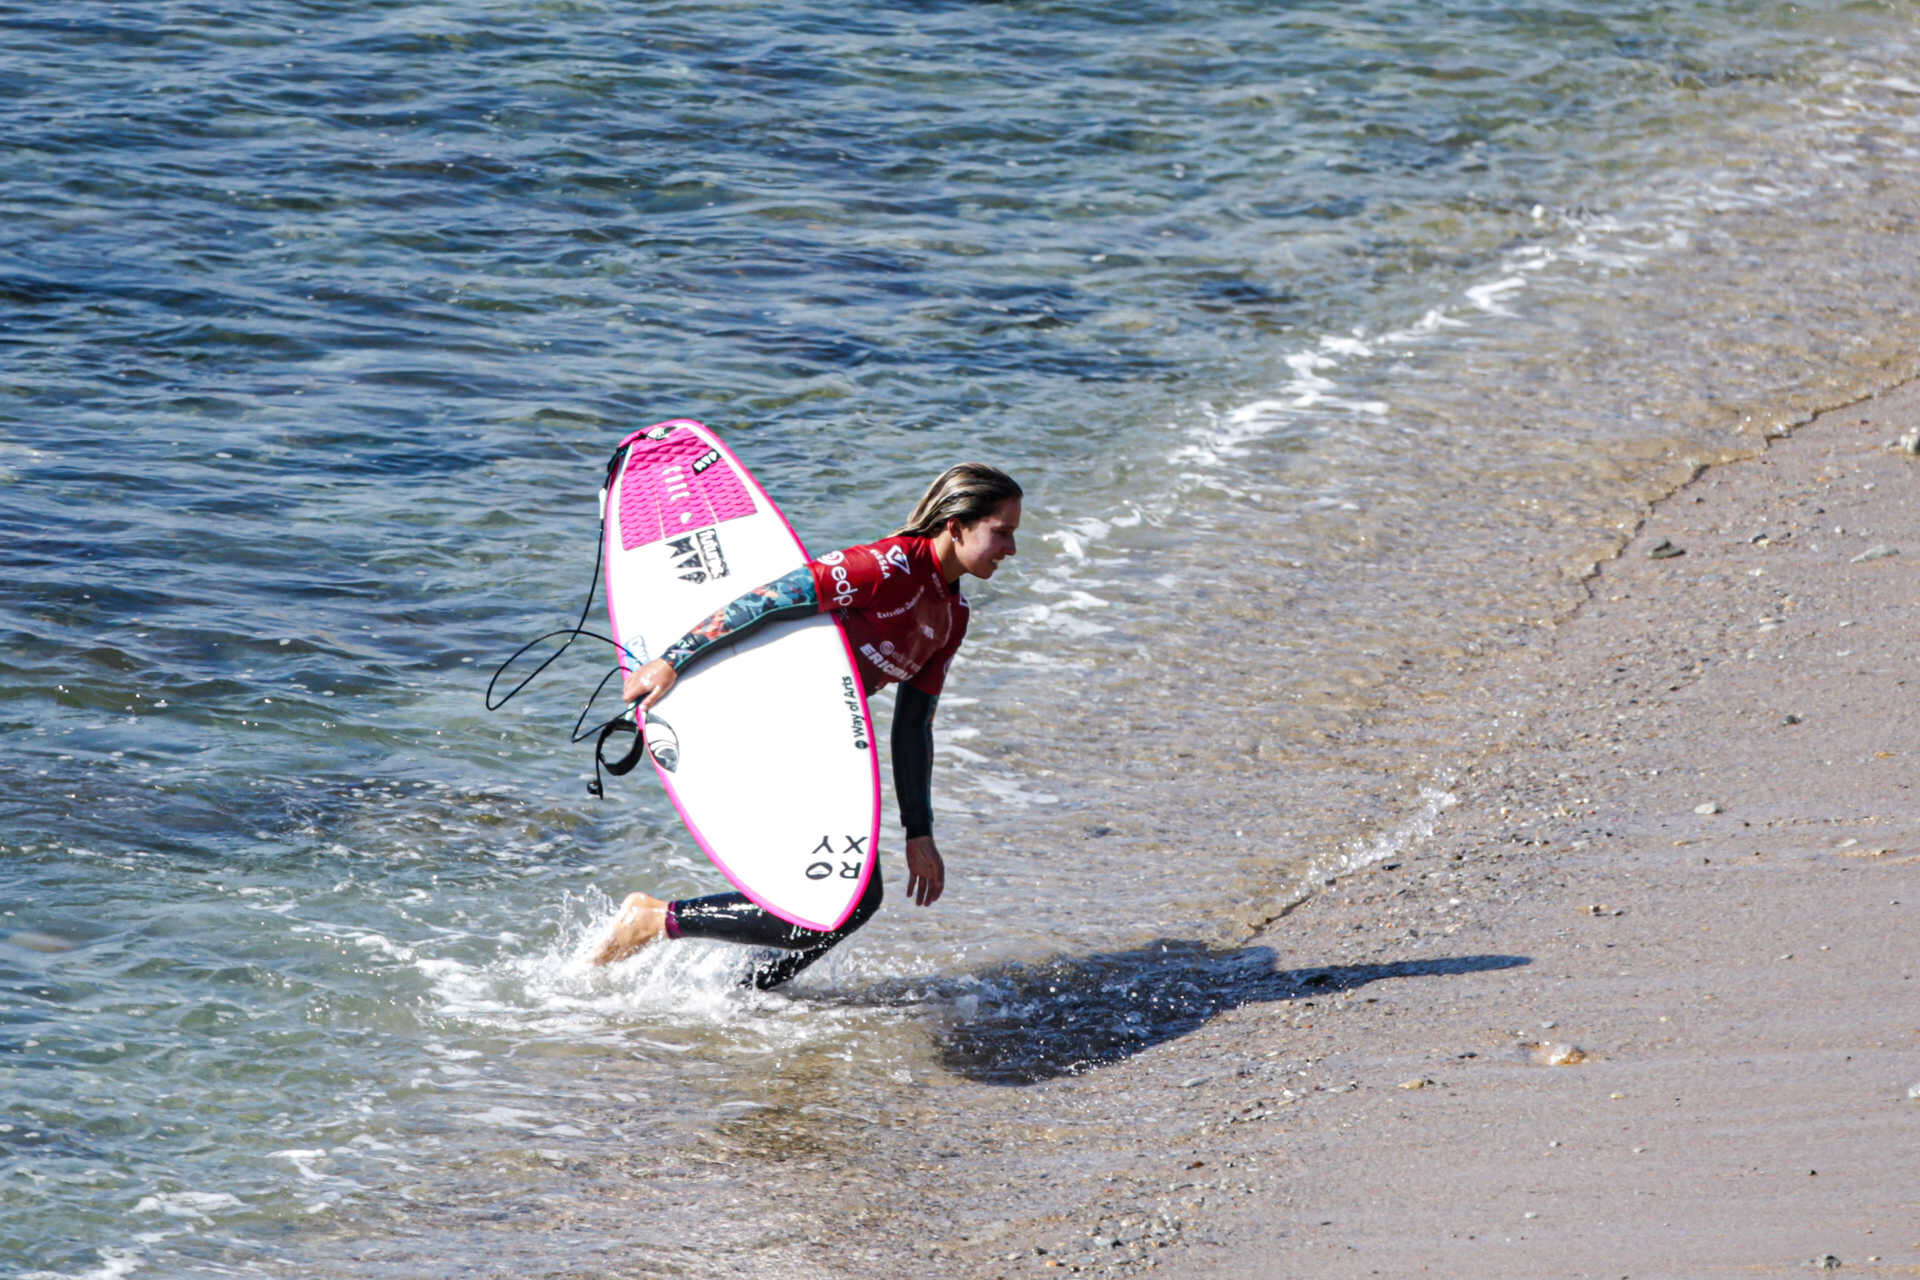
641, 920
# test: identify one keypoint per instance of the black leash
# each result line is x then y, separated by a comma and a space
624, 765
624, 721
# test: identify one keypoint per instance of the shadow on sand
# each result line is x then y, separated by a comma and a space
1022, 1024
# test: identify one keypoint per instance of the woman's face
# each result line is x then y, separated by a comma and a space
982, 545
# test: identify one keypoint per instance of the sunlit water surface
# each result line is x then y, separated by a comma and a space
1328, 340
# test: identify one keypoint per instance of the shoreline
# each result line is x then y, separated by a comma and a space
1701, 833
1645, 1002
1716, 1009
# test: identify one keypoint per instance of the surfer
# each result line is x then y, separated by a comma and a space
900, 602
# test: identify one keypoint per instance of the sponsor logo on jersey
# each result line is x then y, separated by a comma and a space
837, 576
888, 560
905, 608
885, 662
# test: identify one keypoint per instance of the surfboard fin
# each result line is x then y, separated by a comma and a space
663, 744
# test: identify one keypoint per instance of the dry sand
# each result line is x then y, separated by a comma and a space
1645, 1003
1704, 839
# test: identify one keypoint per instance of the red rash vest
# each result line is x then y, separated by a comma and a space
904, 620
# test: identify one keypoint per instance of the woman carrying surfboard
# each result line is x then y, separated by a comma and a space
900, 603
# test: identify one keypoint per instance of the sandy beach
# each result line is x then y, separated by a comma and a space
1700, 837
1646, 1001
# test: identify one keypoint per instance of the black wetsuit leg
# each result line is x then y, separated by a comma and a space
733, 917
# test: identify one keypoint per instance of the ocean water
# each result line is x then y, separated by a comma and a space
1332, 343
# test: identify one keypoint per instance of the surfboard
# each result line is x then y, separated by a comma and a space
764, 746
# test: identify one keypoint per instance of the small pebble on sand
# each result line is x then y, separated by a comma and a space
1550, 1054
1708, 809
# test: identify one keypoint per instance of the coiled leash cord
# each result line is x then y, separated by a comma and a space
622, 722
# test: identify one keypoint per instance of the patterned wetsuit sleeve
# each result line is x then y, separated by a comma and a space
789, 596
913, 759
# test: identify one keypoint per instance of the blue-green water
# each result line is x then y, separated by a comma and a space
1327, 339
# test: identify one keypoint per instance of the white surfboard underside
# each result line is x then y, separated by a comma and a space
766, 745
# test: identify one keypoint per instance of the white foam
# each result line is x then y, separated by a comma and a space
1393, 842
1434, 321
1070, 544
200, 1205
303, 1162
114, 1264
510, 1118
1056, 620
685, 988
1489, 297
1010, 794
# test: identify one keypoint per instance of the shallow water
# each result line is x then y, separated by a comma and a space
1329, 343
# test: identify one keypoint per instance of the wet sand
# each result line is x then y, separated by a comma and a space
1645, 1003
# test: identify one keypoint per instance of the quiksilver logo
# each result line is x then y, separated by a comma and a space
698, 556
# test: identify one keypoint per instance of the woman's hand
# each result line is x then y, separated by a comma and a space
926, 873
650, 682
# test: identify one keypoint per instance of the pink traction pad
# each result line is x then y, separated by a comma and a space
675, 484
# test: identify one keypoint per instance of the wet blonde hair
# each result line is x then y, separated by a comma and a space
968, 492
